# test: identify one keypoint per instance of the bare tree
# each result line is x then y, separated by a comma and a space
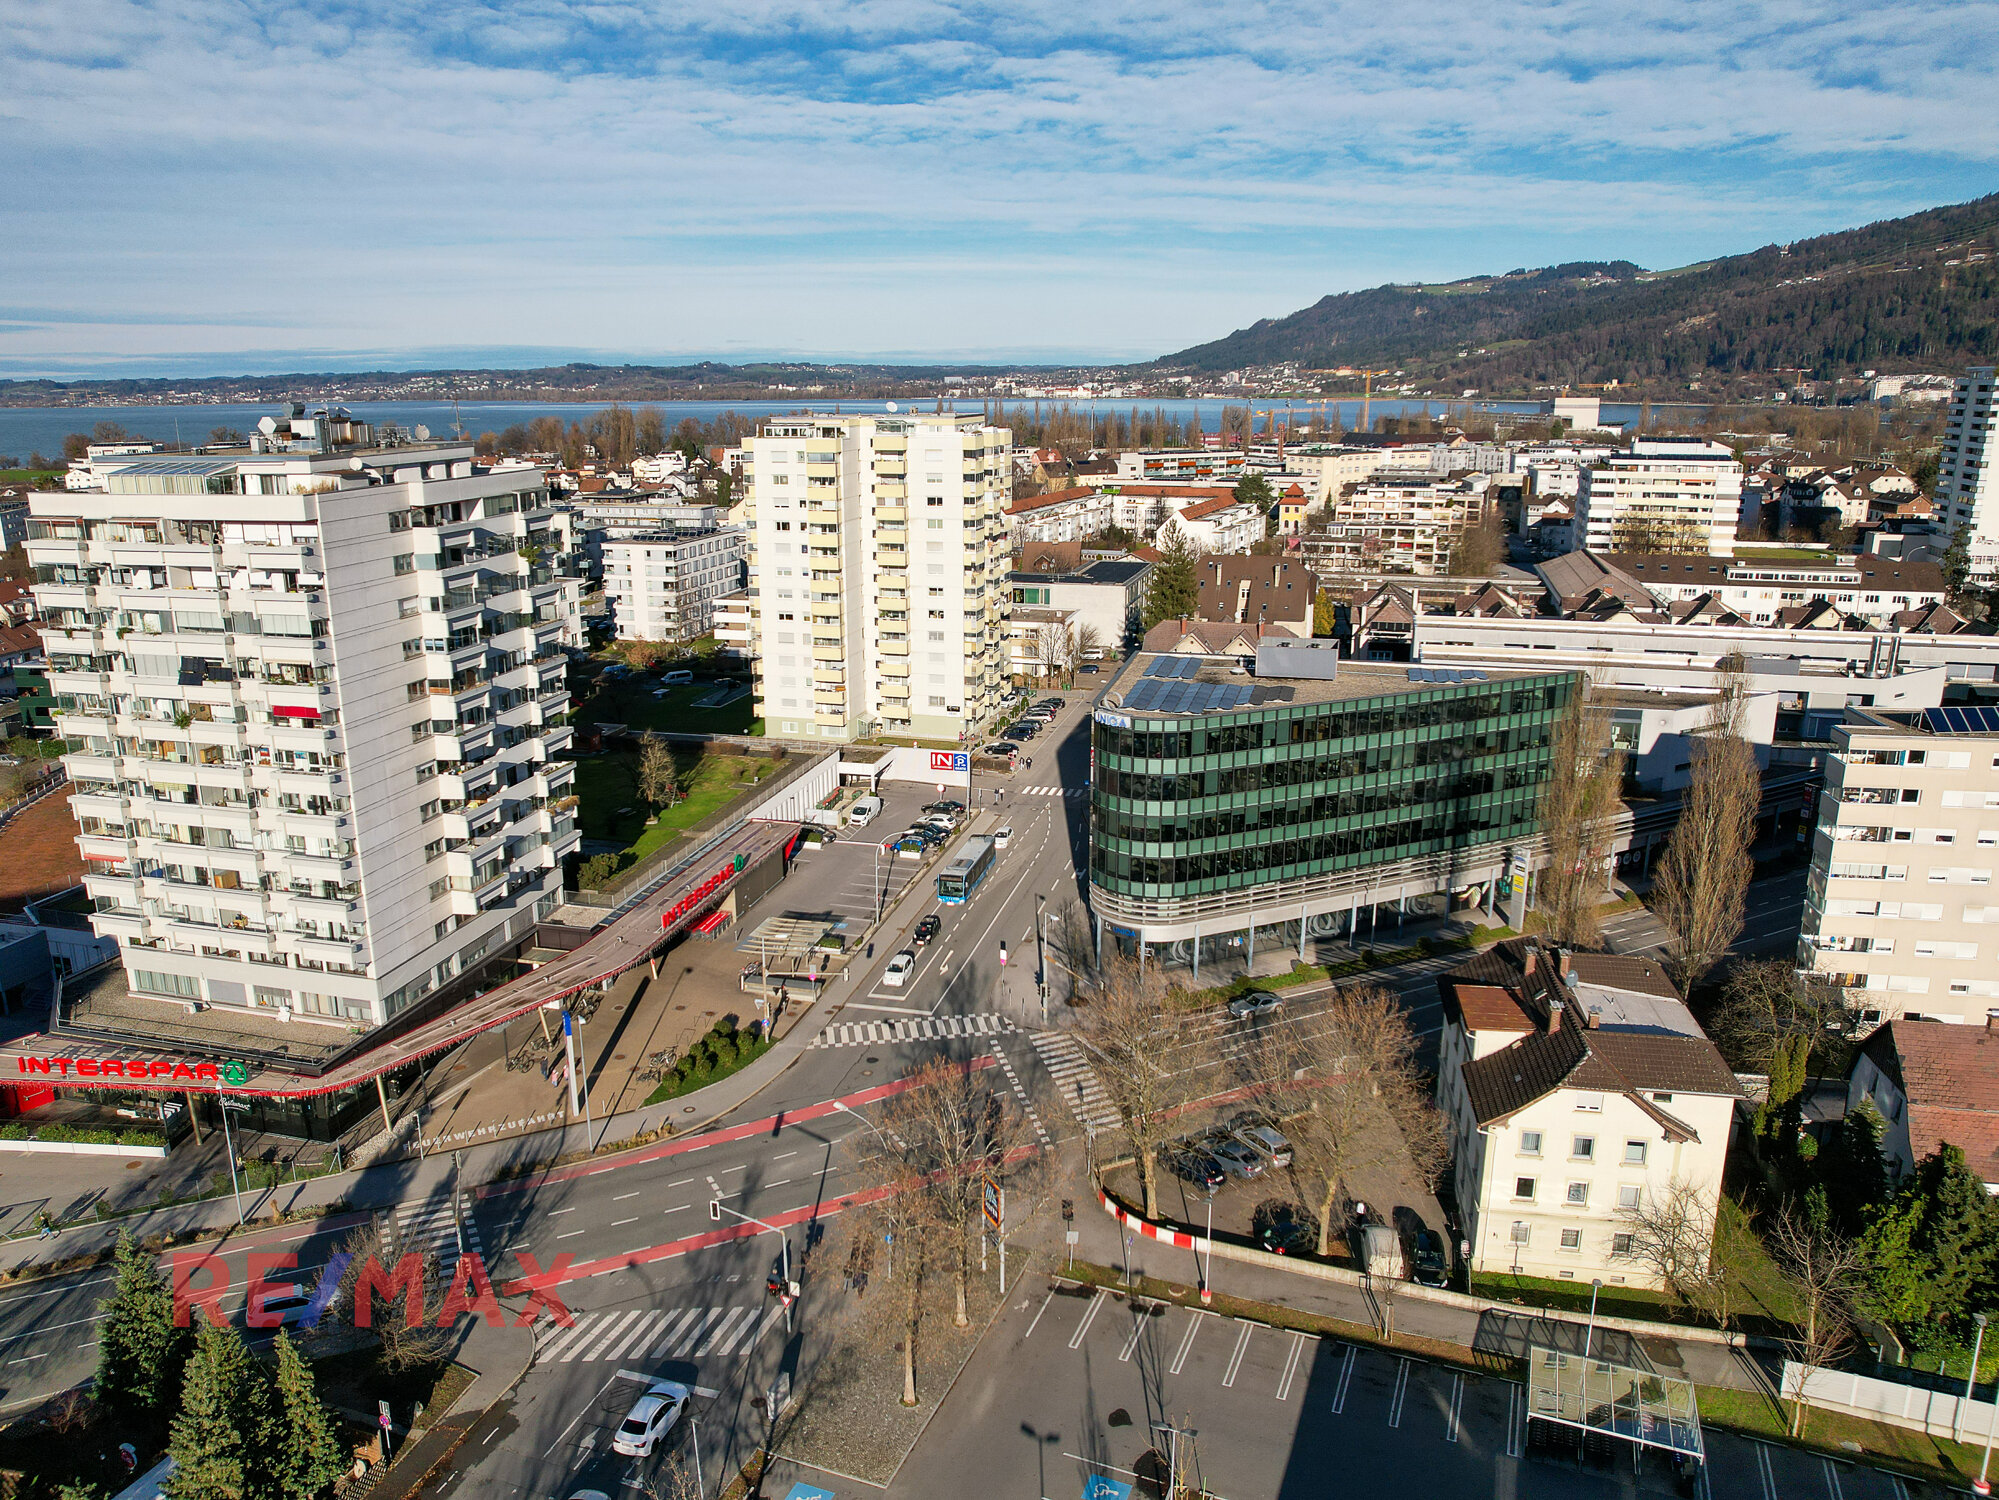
1820, 1267
1765, 1005
1348, 1081
1480, 545
1088, 640
1137, 1041
389, 1300
1672, 1236
1054, 647
1705, 872
659, 782
1579, 800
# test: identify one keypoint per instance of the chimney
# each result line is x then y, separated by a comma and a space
1562, 962
1595, 1017
1554, 1019
1992, 1020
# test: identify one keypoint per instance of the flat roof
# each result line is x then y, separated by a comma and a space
1355, 680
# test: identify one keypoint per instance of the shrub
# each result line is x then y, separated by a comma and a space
597, 869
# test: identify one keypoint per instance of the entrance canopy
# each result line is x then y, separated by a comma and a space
1621, 1401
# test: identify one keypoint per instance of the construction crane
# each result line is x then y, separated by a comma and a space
1367, 397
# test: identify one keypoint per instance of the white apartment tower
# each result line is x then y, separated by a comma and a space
1660, 495
1900, 909
878, 573
314, 693
1967, 495
662, 585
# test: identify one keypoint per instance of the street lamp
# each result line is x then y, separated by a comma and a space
1208, 1270
1971, 1375
716, 1208
1595, 1286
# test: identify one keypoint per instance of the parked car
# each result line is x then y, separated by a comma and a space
283, 1309
1431, 1267
1255, 1003
1239, 1159
1002, 837
1002, 748
898, 968
1266, 1143
911, 845
1380, 1250
1198, 1167
1055, 703
1022, 730
1281, 1230
651, 1418
927, 929
950, 809
1088, 667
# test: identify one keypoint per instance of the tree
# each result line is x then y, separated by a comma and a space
1926, 1248
1053, 648
1818, 1267
1137, 1040
1955, 565
1174, 590
1853, 1168
140, 1353
1254, 489
75, 447
303, 1450
1325, 614
403, 1347
1578, 801
658, 780
1765, 1003
1355, 1099
1672, 1233
1089, 641
221, 1414
1705, 872
1479, 548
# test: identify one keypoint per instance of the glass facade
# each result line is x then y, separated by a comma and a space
1191, 805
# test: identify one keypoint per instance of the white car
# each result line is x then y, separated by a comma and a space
898, 968
1002, 837
651, 1418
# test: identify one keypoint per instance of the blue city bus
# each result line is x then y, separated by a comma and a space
962, 876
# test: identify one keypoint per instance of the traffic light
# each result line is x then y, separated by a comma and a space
1002, 953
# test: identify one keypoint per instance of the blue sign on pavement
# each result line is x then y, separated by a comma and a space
1097, 1487
813, 1492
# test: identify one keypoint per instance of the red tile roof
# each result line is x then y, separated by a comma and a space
1949, 1075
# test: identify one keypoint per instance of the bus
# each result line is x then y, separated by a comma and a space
962, 876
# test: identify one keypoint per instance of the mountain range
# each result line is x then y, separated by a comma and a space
1920, 292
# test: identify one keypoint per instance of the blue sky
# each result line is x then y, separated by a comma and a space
204, 185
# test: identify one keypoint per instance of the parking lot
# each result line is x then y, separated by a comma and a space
847, 878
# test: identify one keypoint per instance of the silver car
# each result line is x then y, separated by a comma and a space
1237, 1159
1267, 1144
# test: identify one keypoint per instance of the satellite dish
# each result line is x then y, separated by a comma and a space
422, 433
267, 426
891, 406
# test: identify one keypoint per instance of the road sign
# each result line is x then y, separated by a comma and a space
1098, 1487
992, 1204
803, 1491
382, 1408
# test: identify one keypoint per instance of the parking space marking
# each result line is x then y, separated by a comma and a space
1346, 1379
1089, 1317
1764, 1472
1291, 1366
1457, 1405
1901, 1489
1235, 1359
1194, 1321
1516, 1401
1137, 1328
1401, 1391
1832, 1489
1037, 1317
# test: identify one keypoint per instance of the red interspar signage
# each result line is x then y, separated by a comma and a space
700, 893
120, 1067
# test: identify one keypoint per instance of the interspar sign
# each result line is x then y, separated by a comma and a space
701, 892
135, 1069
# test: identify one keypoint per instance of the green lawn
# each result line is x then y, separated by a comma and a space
610, 808
630, 701
41, 477
1756, 1413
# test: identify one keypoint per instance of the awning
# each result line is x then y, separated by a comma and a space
293, 713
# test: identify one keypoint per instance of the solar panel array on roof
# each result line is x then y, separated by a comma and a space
1445, 674
1961, 720
153, 467
1174, 666
1154, 697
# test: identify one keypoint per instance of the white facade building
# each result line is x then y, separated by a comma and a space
1658, 495
1900, 907
1967, 492
878, 561
1398, 523
317, 691
662, 586
1182, 465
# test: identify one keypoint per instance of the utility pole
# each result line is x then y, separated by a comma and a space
1041, 952
1173, 1435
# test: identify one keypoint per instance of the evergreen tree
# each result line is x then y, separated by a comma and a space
1853, 1167
1927, 1249
210, 1441
302, 1451
1174, 592
140, 1354
1956, 564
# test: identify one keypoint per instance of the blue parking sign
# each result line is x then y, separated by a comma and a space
807, 1492
1097, 1487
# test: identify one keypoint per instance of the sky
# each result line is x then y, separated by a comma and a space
205, 186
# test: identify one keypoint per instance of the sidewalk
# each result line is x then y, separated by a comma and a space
501, 1356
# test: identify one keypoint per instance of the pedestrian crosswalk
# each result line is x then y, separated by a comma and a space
427, 1227
1075, 1079
646, 1335
915, 1029
1052, 791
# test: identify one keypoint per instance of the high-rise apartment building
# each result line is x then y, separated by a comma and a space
878, 573
1660, 495
662, 586
1967, 497
1900, 908
314, 691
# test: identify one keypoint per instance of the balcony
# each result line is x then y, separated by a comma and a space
345, 952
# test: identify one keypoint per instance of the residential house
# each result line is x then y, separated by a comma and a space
1935, 1085
1258, 590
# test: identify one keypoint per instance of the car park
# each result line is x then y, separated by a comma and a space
1255, 1003
898, 968
1237, 1158
927, 929
1195, 1166
1266, 1143
651, 1418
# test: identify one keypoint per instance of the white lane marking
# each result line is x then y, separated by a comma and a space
623, 1196
1764, 1473
1089, 1317
617, 1326
677, 1323
1832, 1480
787, 1156
1235, 1359
677, 1208
554, 1211
1516, 1403
563, 1436
1137, 1328
572, 1234
1457, 1404
1194, 1322
1037, 1317
750, 1326
1401, 1391
621, 1223
1346, 1379
636, 1339
707, 1344
1291, 1366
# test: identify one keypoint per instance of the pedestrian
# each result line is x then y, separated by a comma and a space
45, 1224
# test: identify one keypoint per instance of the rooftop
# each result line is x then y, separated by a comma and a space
1353, 680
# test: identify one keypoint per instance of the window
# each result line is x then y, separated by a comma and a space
1590, 1103
1578, 1195
1620, 1244
1634, 1153
1583, 1149
1530, 1143
1572, 1239
1627, 1197
166, 984
1662, 1098
1523, 1187
1521, 1231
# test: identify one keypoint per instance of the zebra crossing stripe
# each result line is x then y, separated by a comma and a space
608, 1337
676, 1323
1081, 1091
653, 1333
638, 1337
708, 1344
915, 1029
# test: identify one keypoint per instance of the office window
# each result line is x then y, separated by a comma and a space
1578, 1195
1627, 1197
1523, 1187
1530, 1143
1572, 1239
1634, 1153
1583, 1148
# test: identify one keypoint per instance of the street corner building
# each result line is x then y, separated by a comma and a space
1589, 1115
1243, 801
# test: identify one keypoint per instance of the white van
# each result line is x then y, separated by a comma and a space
670, 678
863, 812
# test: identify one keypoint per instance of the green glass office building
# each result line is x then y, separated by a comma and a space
1231, 809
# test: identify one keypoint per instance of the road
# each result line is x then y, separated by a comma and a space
1771, 911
